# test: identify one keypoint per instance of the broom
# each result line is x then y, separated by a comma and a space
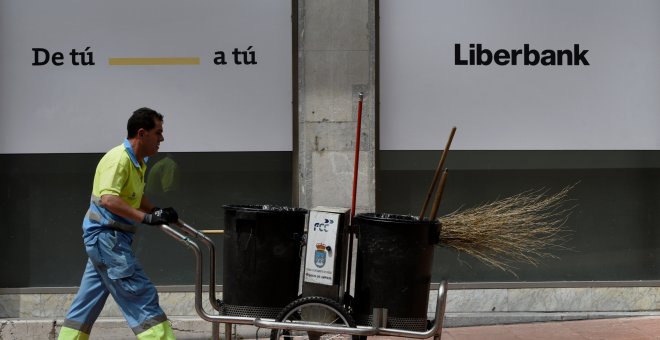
523, 228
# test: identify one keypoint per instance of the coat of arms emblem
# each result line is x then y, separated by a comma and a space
320, 255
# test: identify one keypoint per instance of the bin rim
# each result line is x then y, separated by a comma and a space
265, 208
392, 218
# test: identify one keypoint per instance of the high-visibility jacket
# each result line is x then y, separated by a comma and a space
121, 174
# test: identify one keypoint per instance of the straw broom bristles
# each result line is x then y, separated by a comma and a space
521, 228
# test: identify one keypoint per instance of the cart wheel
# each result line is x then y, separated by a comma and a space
313, 310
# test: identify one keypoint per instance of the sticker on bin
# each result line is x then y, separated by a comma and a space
321, 242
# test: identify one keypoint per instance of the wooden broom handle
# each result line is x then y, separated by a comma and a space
438, 195
437, 173
212, 231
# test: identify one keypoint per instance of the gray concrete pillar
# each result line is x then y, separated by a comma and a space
336, 61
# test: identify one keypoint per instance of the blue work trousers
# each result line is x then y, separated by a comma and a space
113, 269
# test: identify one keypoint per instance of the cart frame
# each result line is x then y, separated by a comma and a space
187, 235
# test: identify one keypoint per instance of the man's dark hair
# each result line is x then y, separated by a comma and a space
143, 118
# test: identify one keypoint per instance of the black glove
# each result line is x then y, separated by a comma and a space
161, 216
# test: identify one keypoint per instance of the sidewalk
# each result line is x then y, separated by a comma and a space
638, 328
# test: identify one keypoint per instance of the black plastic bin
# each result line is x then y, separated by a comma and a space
261, 259
393, 268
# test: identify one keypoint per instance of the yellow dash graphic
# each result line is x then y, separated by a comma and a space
153, 61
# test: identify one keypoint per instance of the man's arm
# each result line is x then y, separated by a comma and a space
146, 205
119, 207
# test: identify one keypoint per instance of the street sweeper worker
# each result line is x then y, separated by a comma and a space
116, 208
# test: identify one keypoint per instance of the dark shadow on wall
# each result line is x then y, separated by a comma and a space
613, 229
45, 196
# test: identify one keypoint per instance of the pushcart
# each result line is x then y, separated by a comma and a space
332, 304
308, 316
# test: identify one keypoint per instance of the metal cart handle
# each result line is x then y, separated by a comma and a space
186, 240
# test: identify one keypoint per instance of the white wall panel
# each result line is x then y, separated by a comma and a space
611, 104
84, 108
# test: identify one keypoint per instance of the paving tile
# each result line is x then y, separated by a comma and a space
647, 328
479, 333
447, 336
543, 331
606, 329
647, 325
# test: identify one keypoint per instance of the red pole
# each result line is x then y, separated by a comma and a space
357, 155
355, 177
